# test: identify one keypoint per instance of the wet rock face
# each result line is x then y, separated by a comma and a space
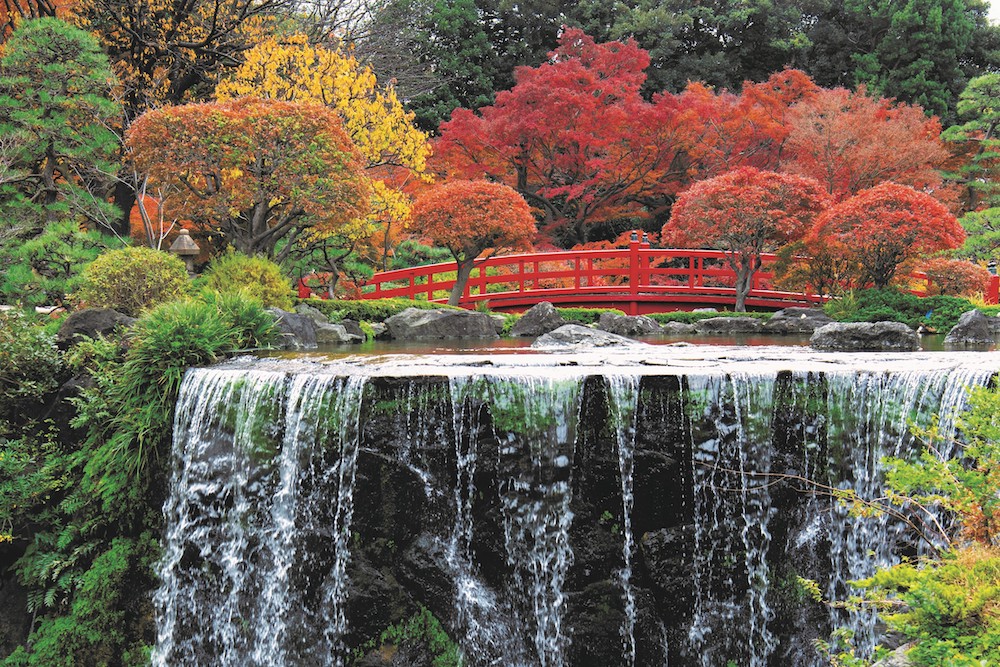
295, 331
865, 337
728, 325
592, 519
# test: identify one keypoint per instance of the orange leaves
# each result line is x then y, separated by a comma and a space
257, 169
850, 142
469, 217
746, 210
886, 225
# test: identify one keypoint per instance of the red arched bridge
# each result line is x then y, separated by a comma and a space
638, 280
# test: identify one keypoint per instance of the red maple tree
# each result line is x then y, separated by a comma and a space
882, 227
575, 138
469, 218
745, 212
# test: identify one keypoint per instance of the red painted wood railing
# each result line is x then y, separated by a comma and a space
638, 280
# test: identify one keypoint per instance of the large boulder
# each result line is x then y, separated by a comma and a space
414, 323
729, 325
628, 325
797, 321
538, 320
90, 323
865, 337
973, 330
295, 332
677, 329
579, 336
335, 334
315, 314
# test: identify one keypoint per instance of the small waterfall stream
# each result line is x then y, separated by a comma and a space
554, 519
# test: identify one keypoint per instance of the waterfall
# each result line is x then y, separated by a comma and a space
542, 516
256, 459
624, 403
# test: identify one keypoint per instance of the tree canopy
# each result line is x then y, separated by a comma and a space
884, 226
745, 212
258, 171
469, 218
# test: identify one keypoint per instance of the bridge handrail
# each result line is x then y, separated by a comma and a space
586, 273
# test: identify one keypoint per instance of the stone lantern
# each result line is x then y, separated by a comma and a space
185, 248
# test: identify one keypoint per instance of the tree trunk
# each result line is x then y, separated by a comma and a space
464, 271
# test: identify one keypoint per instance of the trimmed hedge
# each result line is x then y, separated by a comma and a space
687, 317
874, 305
368, 310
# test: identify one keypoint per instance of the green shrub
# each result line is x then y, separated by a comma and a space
132, 280
257, 276
585, 315
42, 270
368, 310
252, 326
939, 312
30, 368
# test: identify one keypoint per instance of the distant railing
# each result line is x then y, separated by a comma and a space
638, 279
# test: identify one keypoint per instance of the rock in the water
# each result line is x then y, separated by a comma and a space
335, 334
315, 314
677, 328
538, 320
973, 329
797, 321
297, 332
414, 323
353, 327
729, 325
865, 337
90, 322
576, 335
628, 325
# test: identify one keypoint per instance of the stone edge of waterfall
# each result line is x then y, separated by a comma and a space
659, 361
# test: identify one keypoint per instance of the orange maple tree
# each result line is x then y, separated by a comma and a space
471, 217
260, 172
745, 212
850, 141
882, 227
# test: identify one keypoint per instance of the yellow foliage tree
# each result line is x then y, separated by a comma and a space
395, 151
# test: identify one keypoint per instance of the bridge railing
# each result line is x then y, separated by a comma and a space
635, 279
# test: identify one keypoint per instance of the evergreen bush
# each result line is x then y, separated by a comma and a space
132, 280
257, 276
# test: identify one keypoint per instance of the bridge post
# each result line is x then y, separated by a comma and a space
633, 273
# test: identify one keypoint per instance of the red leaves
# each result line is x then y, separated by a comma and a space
745, 211
573, 136
850, 142
468, 217
886, 225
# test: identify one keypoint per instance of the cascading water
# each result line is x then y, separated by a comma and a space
555, 516
260, 458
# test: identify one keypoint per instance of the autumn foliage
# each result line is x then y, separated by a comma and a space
260, 172
745, 212
471, 217
574, 137
882, 227
955, 277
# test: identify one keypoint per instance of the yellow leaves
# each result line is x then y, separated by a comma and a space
291, 68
